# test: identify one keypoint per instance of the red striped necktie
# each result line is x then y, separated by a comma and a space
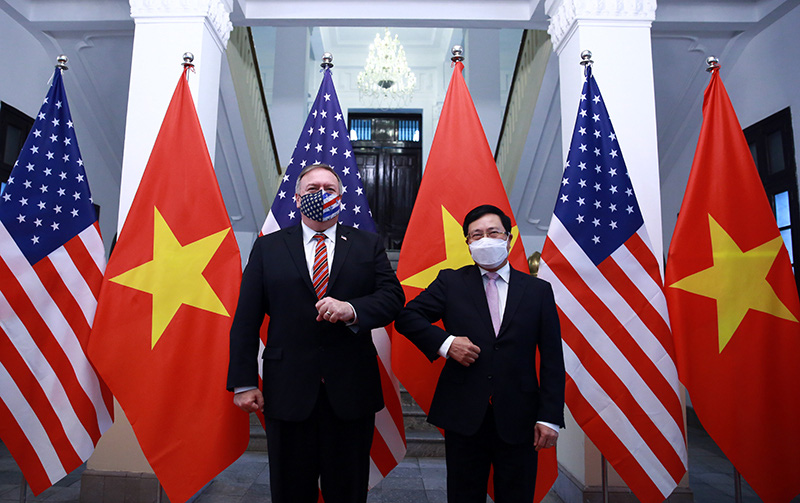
320, 276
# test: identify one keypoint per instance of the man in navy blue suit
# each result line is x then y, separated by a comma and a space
493, 408
325, 286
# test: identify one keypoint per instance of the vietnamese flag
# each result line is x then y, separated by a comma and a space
460, 175
160, 338
734, 308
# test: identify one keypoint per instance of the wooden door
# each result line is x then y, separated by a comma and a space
388, 152
391, 177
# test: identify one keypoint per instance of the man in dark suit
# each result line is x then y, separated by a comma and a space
488, 399
325, 287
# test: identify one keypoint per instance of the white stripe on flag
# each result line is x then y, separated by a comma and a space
634, 270
609, 296
618, 363
31, 427
375, 475
75, 283
56, 322
383, 419
387, 429
605, 407
49, 382
93, 242
270, 224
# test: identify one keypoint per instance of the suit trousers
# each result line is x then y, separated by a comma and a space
469, 458
321, 452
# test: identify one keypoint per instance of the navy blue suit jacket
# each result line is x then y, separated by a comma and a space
300, 351
506, 367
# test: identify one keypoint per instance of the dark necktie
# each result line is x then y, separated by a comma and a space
320, 276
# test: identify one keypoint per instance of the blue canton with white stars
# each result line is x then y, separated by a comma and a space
47, 200
596, 203
325, 140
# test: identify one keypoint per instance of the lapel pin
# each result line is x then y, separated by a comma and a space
344, 237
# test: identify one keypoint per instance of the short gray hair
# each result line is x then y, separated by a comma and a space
315, 166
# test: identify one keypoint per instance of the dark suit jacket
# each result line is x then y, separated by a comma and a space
301, 351
505, 369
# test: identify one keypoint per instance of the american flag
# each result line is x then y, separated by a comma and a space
622, 382
324, 139
54, 408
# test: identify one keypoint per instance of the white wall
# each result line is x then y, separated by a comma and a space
25, 67
92, 84
763, 79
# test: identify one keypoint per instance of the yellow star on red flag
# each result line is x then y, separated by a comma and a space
456, 252
737, 280
162, 323
733, 306
175, 275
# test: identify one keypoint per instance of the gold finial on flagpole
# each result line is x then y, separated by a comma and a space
712, 63
327, 61
458, 54
61, 62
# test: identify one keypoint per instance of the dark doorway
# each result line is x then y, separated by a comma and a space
771, 142
388, 151
14, 129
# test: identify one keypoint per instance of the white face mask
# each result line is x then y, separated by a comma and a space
489, 253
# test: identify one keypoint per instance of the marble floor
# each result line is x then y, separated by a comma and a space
415, 480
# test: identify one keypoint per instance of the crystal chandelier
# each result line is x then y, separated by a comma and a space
386, 79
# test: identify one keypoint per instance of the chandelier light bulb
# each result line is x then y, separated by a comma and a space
386, 80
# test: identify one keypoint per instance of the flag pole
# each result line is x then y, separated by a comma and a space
712, 63
586, 60
737, 486
23, 489
61, 63
188, 64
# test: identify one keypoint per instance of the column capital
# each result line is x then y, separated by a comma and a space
564, 14
216, 12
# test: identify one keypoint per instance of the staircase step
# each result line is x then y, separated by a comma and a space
406, 398
422, 438
258, 437
424, 444
416, 420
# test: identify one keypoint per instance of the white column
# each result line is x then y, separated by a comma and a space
164, 31
618, 34
289, 91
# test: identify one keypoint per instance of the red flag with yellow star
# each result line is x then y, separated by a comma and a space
734, 308
460, 175
160, 337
